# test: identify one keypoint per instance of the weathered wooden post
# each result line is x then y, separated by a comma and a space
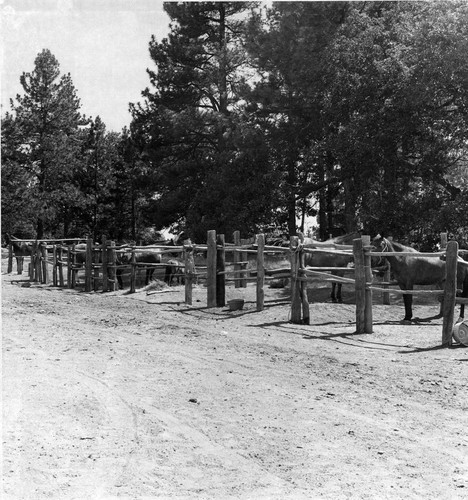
45, 264
360, 285
220, 271
96, 260
89, 265
260, 272
54, 265
60, 264
10, 257
37, 262
111, 262
189, 272
244, 257
450, 292
296, 300
368, 327
303, 286
71, 266
133, 273
211, 269
31, 267
237, 258
105, 283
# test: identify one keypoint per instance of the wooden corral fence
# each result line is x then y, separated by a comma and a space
450, 299
101, 262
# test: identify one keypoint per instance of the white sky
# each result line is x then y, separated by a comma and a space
103, 44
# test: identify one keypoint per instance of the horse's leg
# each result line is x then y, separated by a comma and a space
118, 274
464, 295
333, 296
167, 274
149, 275
339, 296
408, 300
441, 299
19, 264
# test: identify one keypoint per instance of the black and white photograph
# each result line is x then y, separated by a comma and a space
234, 244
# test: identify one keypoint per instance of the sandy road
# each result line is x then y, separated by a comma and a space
119, 396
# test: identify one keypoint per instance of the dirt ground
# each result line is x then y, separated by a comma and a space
136, 396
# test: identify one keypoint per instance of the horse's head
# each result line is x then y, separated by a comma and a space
379, 244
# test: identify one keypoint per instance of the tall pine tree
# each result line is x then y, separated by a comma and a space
44, 139
209, 167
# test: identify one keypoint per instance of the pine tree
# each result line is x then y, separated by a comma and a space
209, 166
46, 121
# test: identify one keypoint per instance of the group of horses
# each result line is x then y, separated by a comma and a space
173, 270
407, 270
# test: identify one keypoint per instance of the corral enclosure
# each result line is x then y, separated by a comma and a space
104, 264
121, 395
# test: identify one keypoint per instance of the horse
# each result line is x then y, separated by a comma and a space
419, 270
174, 270
142, 256
123, 259
331, 259
21, 249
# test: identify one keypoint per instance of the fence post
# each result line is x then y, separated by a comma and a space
368, 327
96, 260
37, 262
31, 267
89, 265
296, 302
305, 298
211, 269
111, 271
450, 292
220, 269
71, 266
45, 264
189, 272
237, 258
360, 285
54, 265
244, 258
104, 263
10, 257
60, 264
133, 271
260, 272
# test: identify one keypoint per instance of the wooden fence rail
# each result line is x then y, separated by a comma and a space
101, 263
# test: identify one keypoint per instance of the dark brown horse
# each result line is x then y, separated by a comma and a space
21, 249
324, 258
123, 258
419, 270
150, 256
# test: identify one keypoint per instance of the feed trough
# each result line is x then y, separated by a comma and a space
235, 304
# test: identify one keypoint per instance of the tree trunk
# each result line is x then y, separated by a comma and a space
350, 206
40, 228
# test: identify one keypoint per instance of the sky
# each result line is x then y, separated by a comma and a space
103, 44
